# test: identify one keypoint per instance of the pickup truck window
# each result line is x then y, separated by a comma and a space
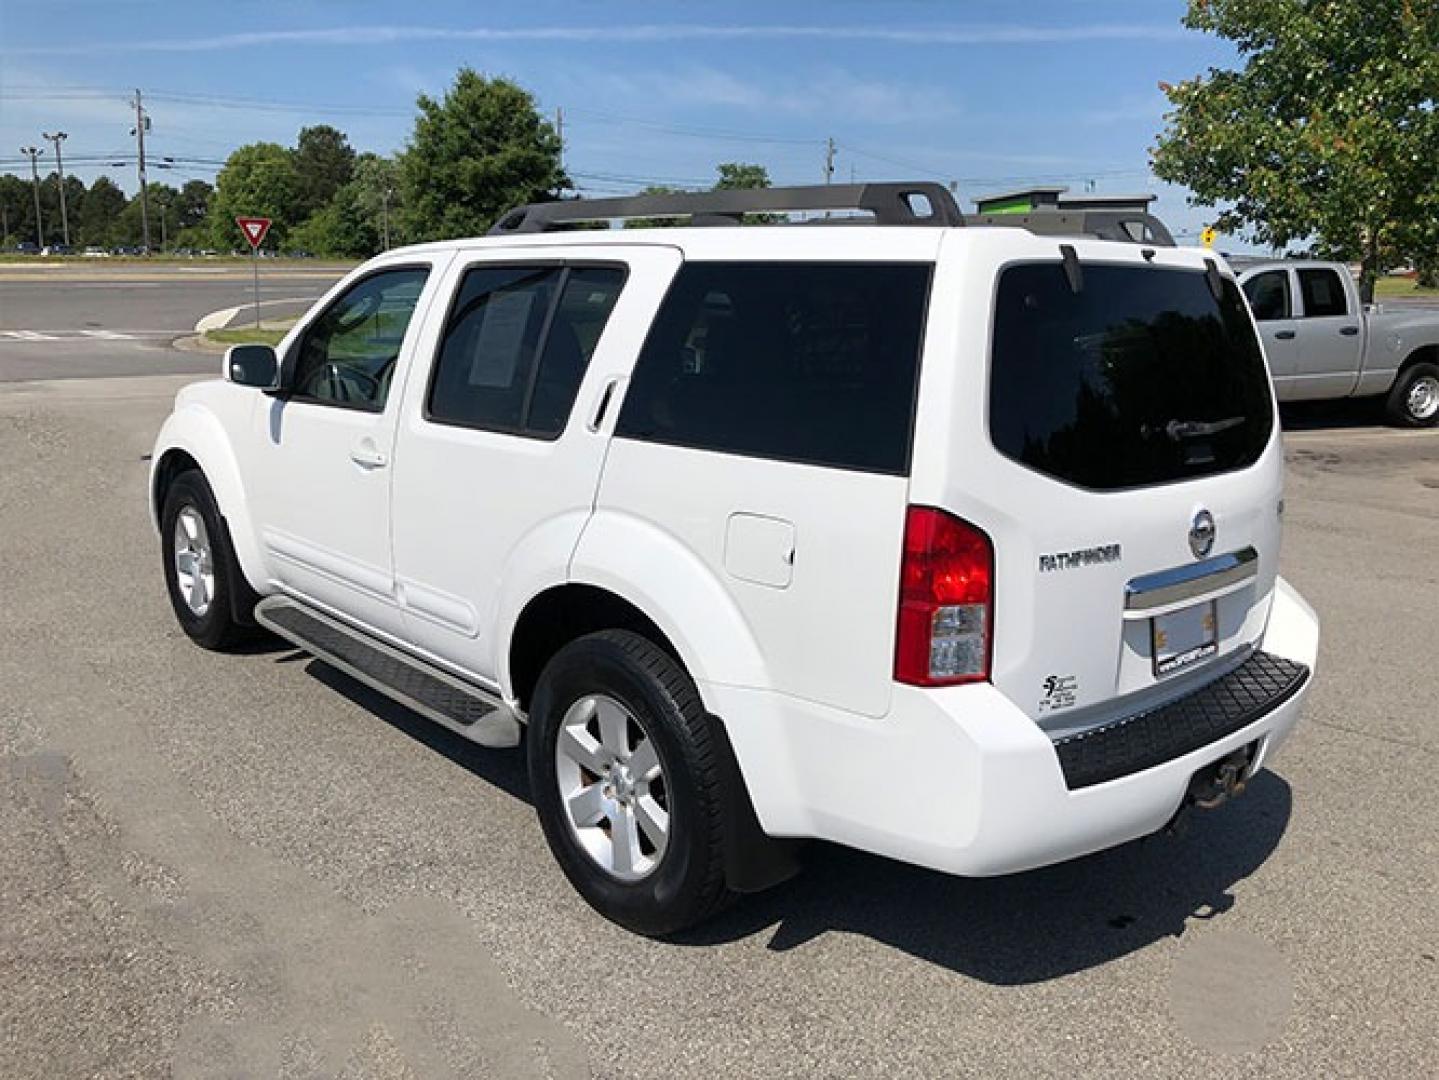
1268, 295
804, 362
1142, 377
1323, 294
347, 355
517, 344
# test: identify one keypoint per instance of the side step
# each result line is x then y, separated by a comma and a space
462, 707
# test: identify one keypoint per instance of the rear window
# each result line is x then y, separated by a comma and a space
805, 362
1142, 377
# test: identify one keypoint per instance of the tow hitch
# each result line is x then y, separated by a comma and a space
1214, 785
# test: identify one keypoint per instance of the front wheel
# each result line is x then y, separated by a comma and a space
201, 571
627, 782
1414, 401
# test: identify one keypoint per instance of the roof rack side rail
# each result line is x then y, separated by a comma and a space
920, 203
1125, 226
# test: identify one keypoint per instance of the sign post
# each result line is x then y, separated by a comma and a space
255, 229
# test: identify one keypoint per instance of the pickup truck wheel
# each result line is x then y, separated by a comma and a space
627, 782
200, 566
1414, 401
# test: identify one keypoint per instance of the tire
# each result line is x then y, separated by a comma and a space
652, 890
190, 512
1414, 400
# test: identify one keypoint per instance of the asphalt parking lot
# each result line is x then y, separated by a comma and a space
249, 865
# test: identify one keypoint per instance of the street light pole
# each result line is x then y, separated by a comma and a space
385, 213
57, 139
33, 153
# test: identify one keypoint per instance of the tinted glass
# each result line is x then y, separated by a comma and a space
482, 376
807, 362
1142, 377
588, 297
1323, 294
1268, 295
348, 354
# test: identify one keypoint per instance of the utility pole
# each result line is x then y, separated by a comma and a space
33, 153
164, 209
829, 159
385, 213
142, 122
57, 139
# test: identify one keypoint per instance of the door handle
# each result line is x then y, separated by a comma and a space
1349, 331
1284, 335
598, 416
367, 455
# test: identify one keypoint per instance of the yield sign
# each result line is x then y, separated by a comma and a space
254, 229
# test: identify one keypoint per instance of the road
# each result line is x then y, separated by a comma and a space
250, 865
86, 321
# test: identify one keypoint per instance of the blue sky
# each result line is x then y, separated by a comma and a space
993, 95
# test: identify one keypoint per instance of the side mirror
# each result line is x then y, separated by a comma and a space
252, 365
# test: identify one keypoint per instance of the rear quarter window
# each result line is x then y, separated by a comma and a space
1142, 377
806, 362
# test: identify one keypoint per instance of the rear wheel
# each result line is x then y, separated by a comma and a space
201, 573
1414, 401
627, 782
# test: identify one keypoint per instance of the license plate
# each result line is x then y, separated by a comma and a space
1184, 637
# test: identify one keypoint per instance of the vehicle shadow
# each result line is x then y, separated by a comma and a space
1334, 415
1013, 930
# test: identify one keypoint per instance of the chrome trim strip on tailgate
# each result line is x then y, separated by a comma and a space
1153, 594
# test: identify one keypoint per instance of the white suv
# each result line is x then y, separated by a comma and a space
956, 544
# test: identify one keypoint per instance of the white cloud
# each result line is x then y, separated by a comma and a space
349, 36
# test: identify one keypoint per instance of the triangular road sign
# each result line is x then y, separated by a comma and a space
254, 229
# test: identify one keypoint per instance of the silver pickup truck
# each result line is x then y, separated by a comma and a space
1321, 342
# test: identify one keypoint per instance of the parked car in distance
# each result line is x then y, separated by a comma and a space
954, 543
57, 249
27, 247
1321, 342
95, 252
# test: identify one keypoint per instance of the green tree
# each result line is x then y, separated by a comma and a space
478, 151
18, 214
98, 214
258, 180
193, 204
1329, 130
740, 175
324, 162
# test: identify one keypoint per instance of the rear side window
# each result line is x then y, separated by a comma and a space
517, 344
1323, 294
1268, 295
804, 362
1140, 378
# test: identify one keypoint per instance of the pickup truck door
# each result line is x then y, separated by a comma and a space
1331, 334
320, 452
504, 431
1271, 298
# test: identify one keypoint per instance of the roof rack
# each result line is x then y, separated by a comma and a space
922, 203
1125, 226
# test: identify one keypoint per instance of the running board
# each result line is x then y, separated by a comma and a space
477, 714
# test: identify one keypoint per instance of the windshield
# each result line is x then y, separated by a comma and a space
1141, 377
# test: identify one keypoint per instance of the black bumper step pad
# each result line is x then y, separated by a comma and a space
1144, 740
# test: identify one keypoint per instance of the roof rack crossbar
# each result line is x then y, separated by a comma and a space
920, 203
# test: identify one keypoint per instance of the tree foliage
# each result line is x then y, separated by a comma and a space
741, 175
258, 180
324, 162
1329, 130
475, 153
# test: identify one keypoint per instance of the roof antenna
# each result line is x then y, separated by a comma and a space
1073, 272
1215, 278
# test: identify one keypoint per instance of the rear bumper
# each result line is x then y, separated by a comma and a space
961, 780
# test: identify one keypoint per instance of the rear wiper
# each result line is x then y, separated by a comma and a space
1179, 430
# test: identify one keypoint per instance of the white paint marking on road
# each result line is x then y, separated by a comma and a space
108, 335
218, 320
27, 335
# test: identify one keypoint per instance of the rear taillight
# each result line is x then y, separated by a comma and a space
946, 601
